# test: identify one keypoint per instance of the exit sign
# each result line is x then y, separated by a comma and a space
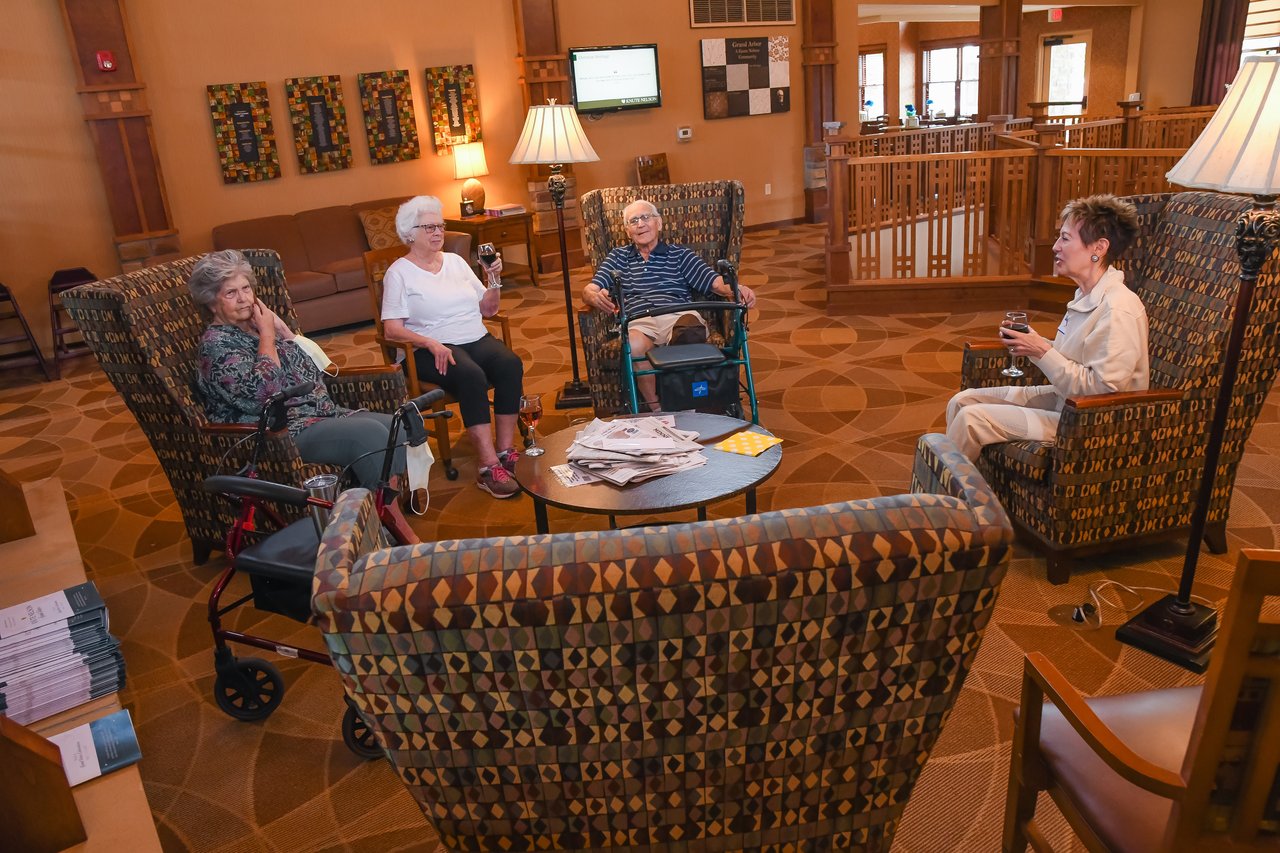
1055, 16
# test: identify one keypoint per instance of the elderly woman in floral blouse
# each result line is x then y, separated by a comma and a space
248, 354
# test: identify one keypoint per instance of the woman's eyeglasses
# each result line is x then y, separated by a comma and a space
641, 219
434, 228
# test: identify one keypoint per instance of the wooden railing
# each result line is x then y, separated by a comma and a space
1171, 129
925, 140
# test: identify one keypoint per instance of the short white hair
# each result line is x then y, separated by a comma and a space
640, 202
407, 215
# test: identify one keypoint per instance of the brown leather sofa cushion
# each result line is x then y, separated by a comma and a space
305, 285
348, 274
267, 232
330, 234
1156, 724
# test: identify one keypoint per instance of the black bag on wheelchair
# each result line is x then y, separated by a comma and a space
695, 376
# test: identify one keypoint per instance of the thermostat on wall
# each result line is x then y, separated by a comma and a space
684, 134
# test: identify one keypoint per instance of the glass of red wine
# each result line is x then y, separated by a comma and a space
530, 414
488, 254
1016, 320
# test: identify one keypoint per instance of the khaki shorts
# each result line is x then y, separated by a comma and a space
658, 329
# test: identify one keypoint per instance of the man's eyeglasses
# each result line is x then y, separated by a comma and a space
434, 228
641, 219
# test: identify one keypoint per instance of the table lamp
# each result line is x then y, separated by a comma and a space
468, 163
552, 136
1237, 152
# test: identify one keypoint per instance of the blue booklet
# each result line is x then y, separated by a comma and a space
93, 749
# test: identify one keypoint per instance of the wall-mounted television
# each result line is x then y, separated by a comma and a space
616, 77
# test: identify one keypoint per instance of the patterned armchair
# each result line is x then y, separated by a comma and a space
145, 331
1125, 468
761, 683
1183, 769
706, 218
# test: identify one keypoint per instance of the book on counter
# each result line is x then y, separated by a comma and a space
55, 654
504, 210
99, 747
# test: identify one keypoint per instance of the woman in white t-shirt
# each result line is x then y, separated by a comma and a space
433, 300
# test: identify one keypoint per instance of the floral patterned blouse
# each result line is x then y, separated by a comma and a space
235, 381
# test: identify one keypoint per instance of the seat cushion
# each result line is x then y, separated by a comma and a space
347, 274
1156, 724
307, 285
331, 234
379, 227
267, 232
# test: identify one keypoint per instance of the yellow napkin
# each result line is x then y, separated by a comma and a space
748, 443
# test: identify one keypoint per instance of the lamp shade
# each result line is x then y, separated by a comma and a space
1239, 150
552, 134
468, 160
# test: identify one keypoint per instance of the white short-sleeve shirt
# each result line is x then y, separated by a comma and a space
444, 306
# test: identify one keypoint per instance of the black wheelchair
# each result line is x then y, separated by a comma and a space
704, 377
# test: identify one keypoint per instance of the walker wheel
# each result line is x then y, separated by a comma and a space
357, 735
250, 690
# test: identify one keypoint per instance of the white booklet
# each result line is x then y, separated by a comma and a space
99, 747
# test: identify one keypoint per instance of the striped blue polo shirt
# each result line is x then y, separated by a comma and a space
671, 276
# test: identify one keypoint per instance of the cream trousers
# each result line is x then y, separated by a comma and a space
981, 416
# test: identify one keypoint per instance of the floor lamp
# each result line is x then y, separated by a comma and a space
1238, 152
552, 136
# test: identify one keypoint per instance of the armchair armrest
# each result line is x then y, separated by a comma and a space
379, 388
983, 361
1143, 413
941, 469
1040, 680
504, 325
1124, 398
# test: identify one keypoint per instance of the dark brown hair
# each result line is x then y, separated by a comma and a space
1099, 216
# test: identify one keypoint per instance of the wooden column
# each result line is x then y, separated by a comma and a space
819, 60
114, 101
999, 49
837, 254
544, 73
1131, 111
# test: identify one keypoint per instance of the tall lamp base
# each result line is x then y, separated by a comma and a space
574, 395
1167, 631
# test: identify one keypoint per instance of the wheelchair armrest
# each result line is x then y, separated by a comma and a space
239, 429
722, 306
229, 484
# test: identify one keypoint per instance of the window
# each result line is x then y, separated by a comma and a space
1064, 73
950, 81
1262, 28
871, 84
720, 13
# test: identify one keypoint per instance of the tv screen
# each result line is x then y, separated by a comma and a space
619, 77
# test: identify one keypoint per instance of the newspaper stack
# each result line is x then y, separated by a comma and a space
55, 653
633, 450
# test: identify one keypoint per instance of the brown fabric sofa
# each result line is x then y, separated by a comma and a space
323, 254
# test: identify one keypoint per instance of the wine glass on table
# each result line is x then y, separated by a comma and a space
488, 254
530, 414
1016, 320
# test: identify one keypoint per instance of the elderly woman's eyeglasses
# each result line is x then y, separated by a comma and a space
641, 219
436, 227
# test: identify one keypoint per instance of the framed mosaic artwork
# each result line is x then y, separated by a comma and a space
319, 119
387, 100
454, 103
243, 133
746, 76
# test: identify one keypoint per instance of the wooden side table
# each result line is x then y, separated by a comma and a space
500, 231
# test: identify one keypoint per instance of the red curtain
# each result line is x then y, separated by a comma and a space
1218, 57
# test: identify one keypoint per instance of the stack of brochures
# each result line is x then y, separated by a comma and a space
504, 210
55, 653
636, 449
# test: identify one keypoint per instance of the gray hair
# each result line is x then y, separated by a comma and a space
407, 215
653, 210
213, 271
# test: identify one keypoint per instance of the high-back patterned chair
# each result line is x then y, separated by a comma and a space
1188, 768
761, 683
1125, 468
145, 331
706, 218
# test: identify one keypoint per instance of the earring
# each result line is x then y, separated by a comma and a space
410, 240
1093, 258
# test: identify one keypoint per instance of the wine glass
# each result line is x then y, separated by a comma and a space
1016, 320
488, 254
530, 414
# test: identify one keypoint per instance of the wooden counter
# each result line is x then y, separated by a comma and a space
113, 807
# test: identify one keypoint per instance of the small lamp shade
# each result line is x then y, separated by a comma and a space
552, 134
468, 162
1239, 150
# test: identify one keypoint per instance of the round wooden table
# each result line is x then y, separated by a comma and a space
724, 476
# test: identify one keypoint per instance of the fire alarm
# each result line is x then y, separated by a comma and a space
1055, 16
106, 60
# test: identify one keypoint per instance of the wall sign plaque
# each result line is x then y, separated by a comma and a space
242, 132
746, 76
454, 103
387, 100
319, 119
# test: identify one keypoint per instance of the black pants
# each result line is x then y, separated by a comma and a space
476, 366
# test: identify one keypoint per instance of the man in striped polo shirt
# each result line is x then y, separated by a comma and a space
655, 274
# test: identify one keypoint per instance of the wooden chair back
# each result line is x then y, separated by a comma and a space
376, 262
652, 169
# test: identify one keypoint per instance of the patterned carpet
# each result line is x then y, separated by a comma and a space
849, 396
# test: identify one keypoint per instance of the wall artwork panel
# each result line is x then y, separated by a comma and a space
243, 133
319, 120
387, 100
454, 102
746, 76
